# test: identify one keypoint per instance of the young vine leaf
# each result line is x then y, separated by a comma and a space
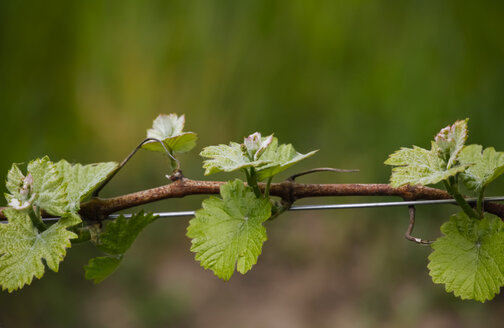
262, 153
469, 259
485, 166
169, 129
115, 240
82, 180
420, 166
225, 158
229, 232
451, 140
23, 249
57, 188
18, 185
43, 187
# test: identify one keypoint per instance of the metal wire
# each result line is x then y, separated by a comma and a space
321, 207
161, 214
338, 206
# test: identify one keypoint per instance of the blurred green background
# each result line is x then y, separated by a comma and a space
83, 80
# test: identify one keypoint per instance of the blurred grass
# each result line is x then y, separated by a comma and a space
356, 79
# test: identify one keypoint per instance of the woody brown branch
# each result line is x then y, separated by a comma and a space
98, 209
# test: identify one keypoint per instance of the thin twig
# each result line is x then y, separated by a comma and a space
320, 169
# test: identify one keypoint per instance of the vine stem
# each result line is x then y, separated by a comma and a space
252, 181
479, 205
453, 190
267, 188
36, 218
321, 169
98, 209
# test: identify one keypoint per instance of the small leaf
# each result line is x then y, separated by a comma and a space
451, 140
484, 166
43, 186
280, 158
15, 180
122, 232
21, 195
168, 128
419, 166
225, 158
82, 180
229, 232
23, 249
48, 185
99, 268
469, 259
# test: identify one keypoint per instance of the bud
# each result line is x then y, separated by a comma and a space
444, 138
27, 186
451, 139
255, 145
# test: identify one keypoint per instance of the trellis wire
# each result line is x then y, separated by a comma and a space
322, 207
336, 206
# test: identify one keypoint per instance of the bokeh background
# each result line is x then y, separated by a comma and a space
83, 80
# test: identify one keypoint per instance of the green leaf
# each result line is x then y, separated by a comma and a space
49, 186
15, 180
280, 158
23, 249
168, 128
82, 180
469, 259
229, 232
419, 166
451, 140
225, 158
20, 188
484, 166
100, 268
58, 188
43, 186
122, 232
